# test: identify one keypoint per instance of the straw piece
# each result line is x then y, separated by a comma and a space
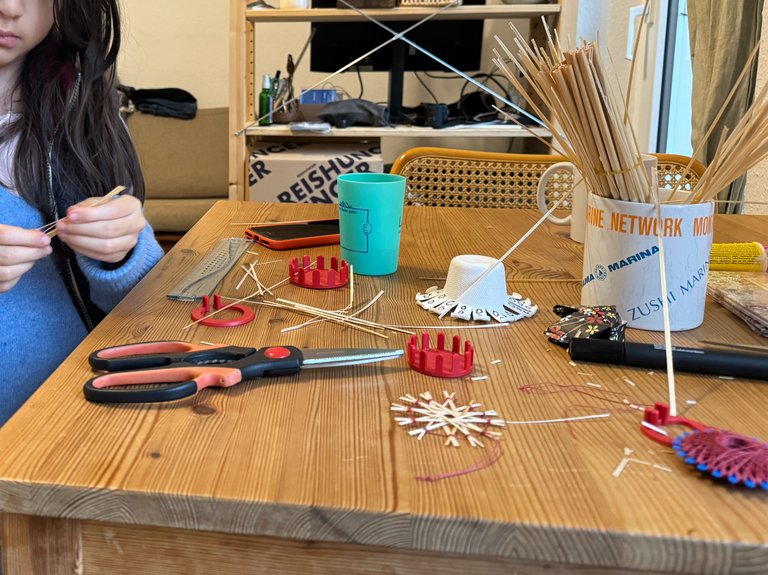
586, 115
490, 268
739, 150
720, 113
638, 35
50, 229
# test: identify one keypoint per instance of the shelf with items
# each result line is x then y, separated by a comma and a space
355, 132
243, 81
477, 12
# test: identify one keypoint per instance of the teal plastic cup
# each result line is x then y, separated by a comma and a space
370, 219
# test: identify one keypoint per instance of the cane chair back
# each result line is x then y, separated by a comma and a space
465, 178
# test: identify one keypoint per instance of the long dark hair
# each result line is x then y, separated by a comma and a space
70, 108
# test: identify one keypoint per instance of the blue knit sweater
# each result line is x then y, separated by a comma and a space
40, 324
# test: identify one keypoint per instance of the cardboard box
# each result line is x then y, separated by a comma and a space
298, 172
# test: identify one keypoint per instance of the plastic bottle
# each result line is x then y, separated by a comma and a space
738, 257
265, 102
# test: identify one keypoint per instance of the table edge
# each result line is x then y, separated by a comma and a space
393, 529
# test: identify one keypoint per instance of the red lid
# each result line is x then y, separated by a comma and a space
303, 275
440, 362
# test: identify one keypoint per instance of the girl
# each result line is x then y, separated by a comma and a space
62, 143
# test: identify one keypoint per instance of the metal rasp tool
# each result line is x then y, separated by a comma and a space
206, 275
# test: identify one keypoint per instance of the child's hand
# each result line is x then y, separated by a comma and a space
106, 232
19, 250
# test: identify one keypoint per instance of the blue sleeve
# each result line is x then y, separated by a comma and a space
109, 286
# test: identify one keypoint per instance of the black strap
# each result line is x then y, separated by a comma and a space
171, 102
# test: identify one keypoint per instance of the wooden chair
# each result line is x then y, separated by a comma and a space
464, 178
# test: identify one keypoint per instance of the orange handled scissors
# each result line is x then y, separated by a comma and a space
186, 368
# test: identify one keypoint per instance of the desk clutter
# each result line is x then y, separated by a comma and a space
562, 456
625, 210
473, 282
631, 228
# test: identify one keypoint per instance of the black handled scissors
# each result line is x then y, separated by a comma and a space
188, 368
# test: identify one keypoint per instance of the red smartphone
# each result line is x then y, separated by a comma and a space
288, 235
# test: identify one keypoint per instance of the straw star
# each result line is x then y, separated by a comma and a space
428, 416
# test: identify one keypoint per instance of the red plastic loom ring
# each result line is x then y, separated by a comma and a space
440, 362
659, 416
300, 274
723, 454
246, 313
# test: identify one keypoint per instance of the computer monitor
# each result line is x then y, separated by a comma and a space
336, 44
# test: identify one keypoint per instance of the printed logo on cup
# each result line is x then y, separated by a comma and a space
622, 266
361, 228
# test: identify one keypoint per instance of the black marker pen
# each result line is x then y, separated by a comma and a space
715, 362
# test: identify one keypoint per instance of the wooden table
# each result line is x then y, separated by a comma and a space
310, 474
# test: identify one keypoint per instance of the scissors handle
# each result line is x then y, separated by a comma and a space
160, 353
186, 378
183, 382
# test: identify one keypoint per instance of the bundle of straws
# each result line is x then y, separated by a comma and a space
586, 117
589, 122
739, 150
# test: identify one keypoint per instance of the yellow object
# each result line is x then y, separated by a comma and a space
471, 179
738, 257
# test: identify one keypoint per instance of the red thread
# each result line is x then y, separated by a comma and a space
613, 397
548, 387
484, 463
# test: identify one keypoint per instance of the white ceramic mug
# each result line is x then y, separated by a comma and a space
621, 260
578, 201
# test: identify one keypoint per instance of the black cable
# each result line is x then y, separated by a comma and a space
431, 93
490, 77
448, 77
360, 79
484, 78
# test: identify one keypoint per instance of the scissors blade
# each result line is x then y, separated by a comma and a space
346, 356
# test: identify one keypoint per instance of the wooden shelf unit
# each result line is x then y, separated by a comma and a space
366, 132
243, 85
477, 12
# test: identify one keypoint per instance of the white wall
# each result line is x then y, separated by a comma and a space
177, 44
608, 23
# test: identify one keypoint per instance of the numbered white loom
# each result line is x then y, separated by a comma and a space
465, 298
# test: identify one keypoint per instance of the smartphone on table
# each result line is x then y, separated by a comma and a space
289, 235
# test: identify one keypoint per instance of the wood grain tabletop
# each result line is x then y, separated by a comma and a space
318, 457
